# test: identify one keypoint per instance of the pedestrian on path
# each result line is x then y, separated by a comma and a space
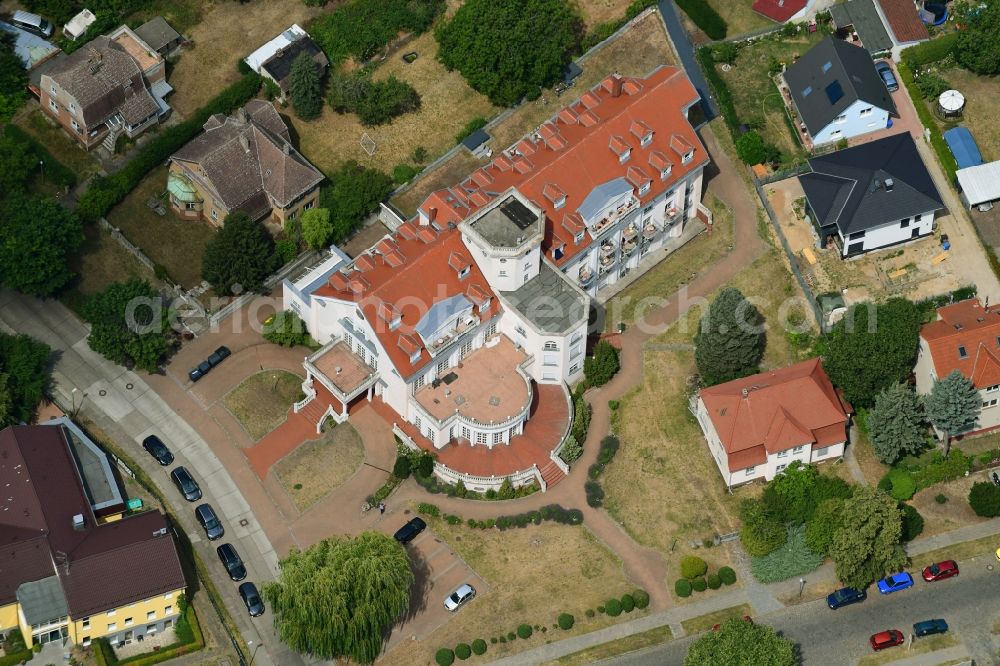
381, 508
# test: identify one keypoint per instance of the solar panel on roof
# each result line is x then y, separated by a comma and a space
834, 92
517, 213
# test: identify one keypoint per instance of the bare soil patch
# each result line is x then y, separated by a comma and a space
262, 401
315, 468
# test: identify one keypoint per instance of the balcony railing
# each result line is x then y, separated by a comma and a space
614, 216
607, 248
586, 275
628, 247
445, 339
629, 232
649, 231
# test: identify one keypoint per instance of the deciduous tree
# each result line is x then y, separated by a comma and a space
984, 498
507, 49
18, 163
762, 531
730, 340
24, 363
789, 494
895, 423
866, 546
337, 599
13, 78
37, 238
242, 253
355, 193
306, 87
825, 522
316, 227
978, 47
740, 643
953, 406
129, 323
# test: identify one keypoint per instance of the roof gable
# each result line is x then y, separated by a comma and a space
966, 338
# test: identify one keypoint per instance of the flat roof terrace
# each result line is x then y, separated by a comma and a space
486, 388
342, 367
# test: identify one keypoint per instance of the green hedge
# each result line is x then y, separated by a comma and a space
17, 658
54, 170
704, 17
106, 191
947, 160
723, 96
930, 51
104, 654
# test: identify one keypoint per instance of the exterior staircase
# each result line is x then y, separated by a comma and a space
115, 127
313, 412
552, 475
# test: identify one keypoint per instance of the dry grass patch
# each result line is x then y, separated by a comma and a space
534, 574
664, 486
708, 620
955, 513
447, 103
315, 468
610, 649
740, 19
919, 646
958, 552
227, 33
174, 243
261, 402
100, 262
870, 466
55, 140
981, 93
595, 12
663, 280
637, 52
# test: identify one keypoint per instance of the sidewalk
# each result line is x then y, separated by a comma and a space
968, 533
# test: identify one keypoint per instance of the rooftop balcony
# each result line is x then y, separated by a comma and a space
446, 338
614, 216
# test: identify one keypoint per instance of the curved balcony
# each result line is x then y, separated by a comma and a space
586, 275
607, 263
649, 231
628, 247
607, 248
629, 232
672, 212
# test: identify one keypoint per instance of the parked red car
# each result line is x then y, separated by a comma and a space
886, 639
940, 571
746, 618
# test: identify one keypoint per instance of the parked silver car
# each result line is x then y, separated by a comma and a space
455, 600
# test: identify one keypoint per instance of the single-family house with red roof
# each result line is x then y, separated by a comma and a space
758, 425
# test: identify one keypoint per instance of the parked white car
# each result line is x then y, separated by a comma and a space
455, 600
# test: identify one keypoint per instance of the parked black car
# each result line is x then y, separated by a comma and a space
209, 521
409, 531
844, 597
200, 371
218, 356
250, 596
158, 450
928, 627
186, 484
232, 561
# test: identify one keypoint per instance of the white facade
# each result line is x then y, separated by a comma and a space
887, 235
857, 119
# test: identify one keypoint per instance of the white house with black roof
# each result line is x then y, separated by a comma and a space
871, 196
837, 93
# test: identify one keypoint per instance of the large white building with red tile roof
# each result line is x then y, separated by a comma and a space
965, 337
758, 425
470, 319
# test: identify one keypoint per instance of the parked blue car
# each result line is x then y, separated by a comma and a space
928, 627
845, 596
895, 583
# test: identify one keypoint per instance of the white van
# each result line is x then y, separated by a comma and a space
32, 23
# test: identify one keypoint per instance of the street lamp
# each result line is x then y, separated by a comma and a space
41, 167
802, 586
254, 653
73, 396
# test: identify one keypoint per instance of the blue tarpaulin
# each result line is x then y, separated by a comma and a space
963, 147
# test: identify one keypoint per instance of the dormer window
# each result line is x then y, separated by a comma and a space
560, 202
557, 252
394, 323
646, 140
644, 188
464, 273
623, 158
415, 356
579, 239
688, 156
665, 173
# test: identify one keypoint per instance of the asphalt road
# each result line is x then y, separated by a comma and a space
969, 603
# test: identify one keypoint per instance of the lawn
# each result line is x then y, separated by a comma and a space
175, 244
664, 486
534, 574
705, 622
447, 105
64, 149
981, 93
227, 33
182, 15
676, 269
637, 52
756, 98
100, 262
315, 468
920, 646
738, 15
610, 649
595, 12
955, 513
261, 402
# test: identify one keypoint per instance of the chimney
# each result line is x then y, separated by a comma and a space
338, 369
888, 184
241, 114
245, 143
78, 522
745, 392
287, 148
616, 84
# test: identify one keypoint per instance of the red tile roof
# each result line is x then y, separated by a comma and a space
774, 411
967, 326
778, 10
904, 20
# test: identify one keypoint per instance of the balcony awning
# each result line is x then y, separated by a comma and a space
601, 196
441, 313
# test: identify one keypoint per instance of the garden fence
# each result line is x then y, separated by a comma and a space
127, 244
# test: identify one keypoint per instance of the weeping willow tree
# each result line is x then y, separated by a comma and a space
337, 598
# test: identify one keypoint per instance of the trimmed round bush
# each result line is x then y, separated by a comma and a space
941, 498
479, 646
682, 587
590, 612
524, 631
641, 599
727, 575
628, 603
601, 609
511, 636
903, 484
699, 585
693, 566
493, 641
503, 639
614, 607
444, 657
714, 581
566, 621
463, 651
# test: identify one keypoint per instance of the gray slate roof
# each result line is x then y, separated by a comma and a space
248, 156
42, 600
549, 301
279, 66
866, 21
842, 188
103, 79
439, 314
157, 33
476, 139
600, 195
829, 78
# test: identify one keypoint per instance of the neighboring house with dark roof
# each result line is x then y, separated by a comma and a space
965, 337
871, 196
863, 18
758, 425
112, 85
274, 59
73, 564
837, 93
158, 34
243, 162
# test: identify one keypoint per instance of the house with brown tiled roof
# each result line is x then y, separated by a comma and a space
113, 85
758, 425
965, 337
75, 564
243, 162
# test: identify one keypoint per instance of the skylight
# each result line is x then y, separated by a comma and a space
834, 92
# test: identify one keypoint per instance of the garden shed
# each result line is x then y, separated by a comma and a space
979, 185
963, 147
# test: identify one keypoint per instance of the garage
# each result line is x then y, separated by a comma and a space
979, 185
